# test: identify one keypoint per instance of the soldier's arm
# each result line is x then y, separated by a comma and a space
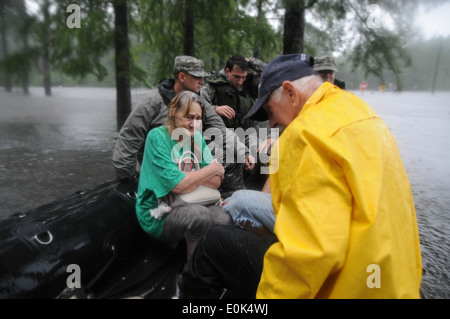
256, 65
131, 138
209, 94
213, 124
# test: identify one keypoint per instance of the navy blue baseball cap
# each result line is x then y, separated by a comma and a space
287, 67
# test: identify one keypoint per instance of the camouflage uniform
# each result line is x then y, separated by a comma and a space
151, 112
219, 91
326, 63
189, 64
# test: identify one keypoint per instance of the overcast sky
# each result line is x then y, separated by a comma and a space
435, 22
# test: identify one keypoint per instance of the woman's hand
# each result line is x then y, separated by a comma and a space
217, 168
210, 176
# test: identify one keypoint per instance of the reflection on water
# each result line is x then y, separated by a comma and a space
51, 147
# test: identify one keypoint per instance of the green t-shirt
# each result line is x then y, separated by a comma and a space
163, 167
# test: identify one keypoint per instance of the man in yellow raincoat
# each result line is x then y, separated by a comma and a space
345, 216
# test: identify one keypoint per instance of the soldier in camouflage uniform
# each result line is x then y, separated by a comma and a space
151, 112
326, 67
232, 92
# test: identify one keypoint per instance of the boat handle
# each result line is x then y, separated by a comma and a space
44, 242
132, 195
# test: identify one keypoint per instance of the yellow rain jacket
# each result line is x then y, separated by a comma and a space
345, 215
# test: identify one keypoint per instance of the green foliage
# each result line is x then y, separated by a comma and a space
16, 24
383, 48
221, 29
161, 28
16, 63
325, 27
78, 51
418, 76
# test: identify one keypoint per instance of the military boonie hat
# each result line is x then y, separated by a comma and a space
287, 67
324, 63
189, 64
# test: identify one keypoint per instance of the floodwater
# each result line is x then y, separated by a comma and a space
420, 123
51, 147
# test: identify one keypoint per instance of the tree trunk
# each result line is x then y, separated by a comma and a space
46, 50
436, 70
24, 36
189, 28
122, 62
6, 80
25, 72
259, 19
294, 25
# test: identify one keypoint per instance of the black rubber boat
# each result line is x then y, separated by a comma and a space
92, 236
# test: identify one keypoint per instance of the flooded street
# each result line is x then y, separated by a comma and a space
51, 147
420, 123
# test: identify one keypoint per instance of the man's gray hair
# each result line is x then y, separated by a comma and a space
300, 84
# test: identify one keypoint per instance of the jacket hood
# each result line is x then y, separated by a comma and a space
165, 88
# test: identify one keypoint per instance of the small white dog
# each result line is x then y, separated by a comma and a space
161, 210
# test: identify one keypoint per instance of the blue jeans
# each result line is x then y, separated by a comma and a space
254, 206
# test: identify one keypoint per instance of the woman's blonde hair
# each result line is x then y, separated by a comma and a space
182, 103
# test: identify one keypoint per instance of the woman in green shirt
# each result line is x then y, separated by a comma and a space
177, 161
